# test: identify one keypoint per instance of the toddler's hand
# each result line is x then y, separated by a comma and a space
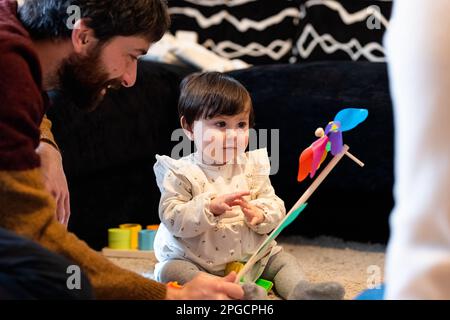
221, 204
253, 214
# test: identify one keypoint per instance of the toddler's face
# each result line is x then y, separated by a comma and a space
221, 139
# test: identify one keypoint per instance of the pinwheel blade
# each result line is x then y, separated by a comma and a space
336, 142
289, 219
318, 148
351, 117
304, 164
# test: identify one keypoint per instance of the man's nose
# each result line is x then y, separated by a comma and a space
129, 77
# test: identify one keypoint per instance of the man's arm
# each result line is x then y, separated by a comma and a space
52, 168
46, 133
26, 207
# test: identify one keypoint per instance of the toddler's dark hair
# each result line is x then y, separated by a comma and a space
205, 95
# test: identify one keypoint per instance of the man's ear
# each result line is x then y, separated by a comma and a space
83, 37
187, 128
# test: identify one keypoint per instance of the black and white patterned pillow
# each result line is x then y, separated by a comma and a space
342, 30
255, 31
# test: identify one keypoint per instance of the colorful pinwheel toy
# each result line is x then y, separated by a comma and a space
330, 140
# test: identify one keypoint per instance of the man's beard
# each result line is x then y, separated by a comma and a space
83, 78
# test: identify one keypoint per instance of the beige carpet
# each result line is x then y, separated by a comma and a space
356, 266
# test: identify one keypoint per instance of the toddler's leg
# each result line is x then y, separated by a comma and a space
184, 271
181, 271
291, 283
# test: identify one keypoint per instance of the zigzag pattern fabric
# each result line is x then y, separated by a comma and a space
256, 31
342, 30
286, 31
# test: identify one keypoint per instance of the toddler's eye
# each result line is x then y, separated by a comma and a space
221, 124
242, 125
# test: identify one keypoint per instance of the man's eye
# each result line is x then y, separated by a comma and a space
133, 57
221, 124
242, 125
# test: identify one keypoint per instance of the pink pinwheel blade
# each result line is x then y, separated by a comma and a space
305, 162
318, 148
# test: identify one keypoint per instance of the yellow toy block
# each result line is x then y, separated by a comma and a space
233, 266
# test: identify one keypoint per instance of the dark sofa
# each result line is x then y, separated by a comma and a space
109, 153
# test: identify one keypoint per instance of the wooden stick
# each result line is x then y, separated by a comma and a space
254, 258
359, 162
320, 178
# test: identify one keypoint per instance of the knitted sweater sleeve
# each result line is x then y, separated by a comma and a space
46, 132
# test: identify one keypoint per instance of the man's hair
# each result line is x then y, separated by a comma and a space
209, 94
48, 19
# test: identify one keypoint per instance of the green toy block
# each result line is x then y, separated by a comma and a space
266, 284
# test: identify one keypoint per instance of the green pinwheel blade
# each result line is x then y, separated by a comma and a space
288, 221
272, 236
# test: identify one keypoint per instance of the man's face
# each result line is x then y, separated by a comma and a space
87, 78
